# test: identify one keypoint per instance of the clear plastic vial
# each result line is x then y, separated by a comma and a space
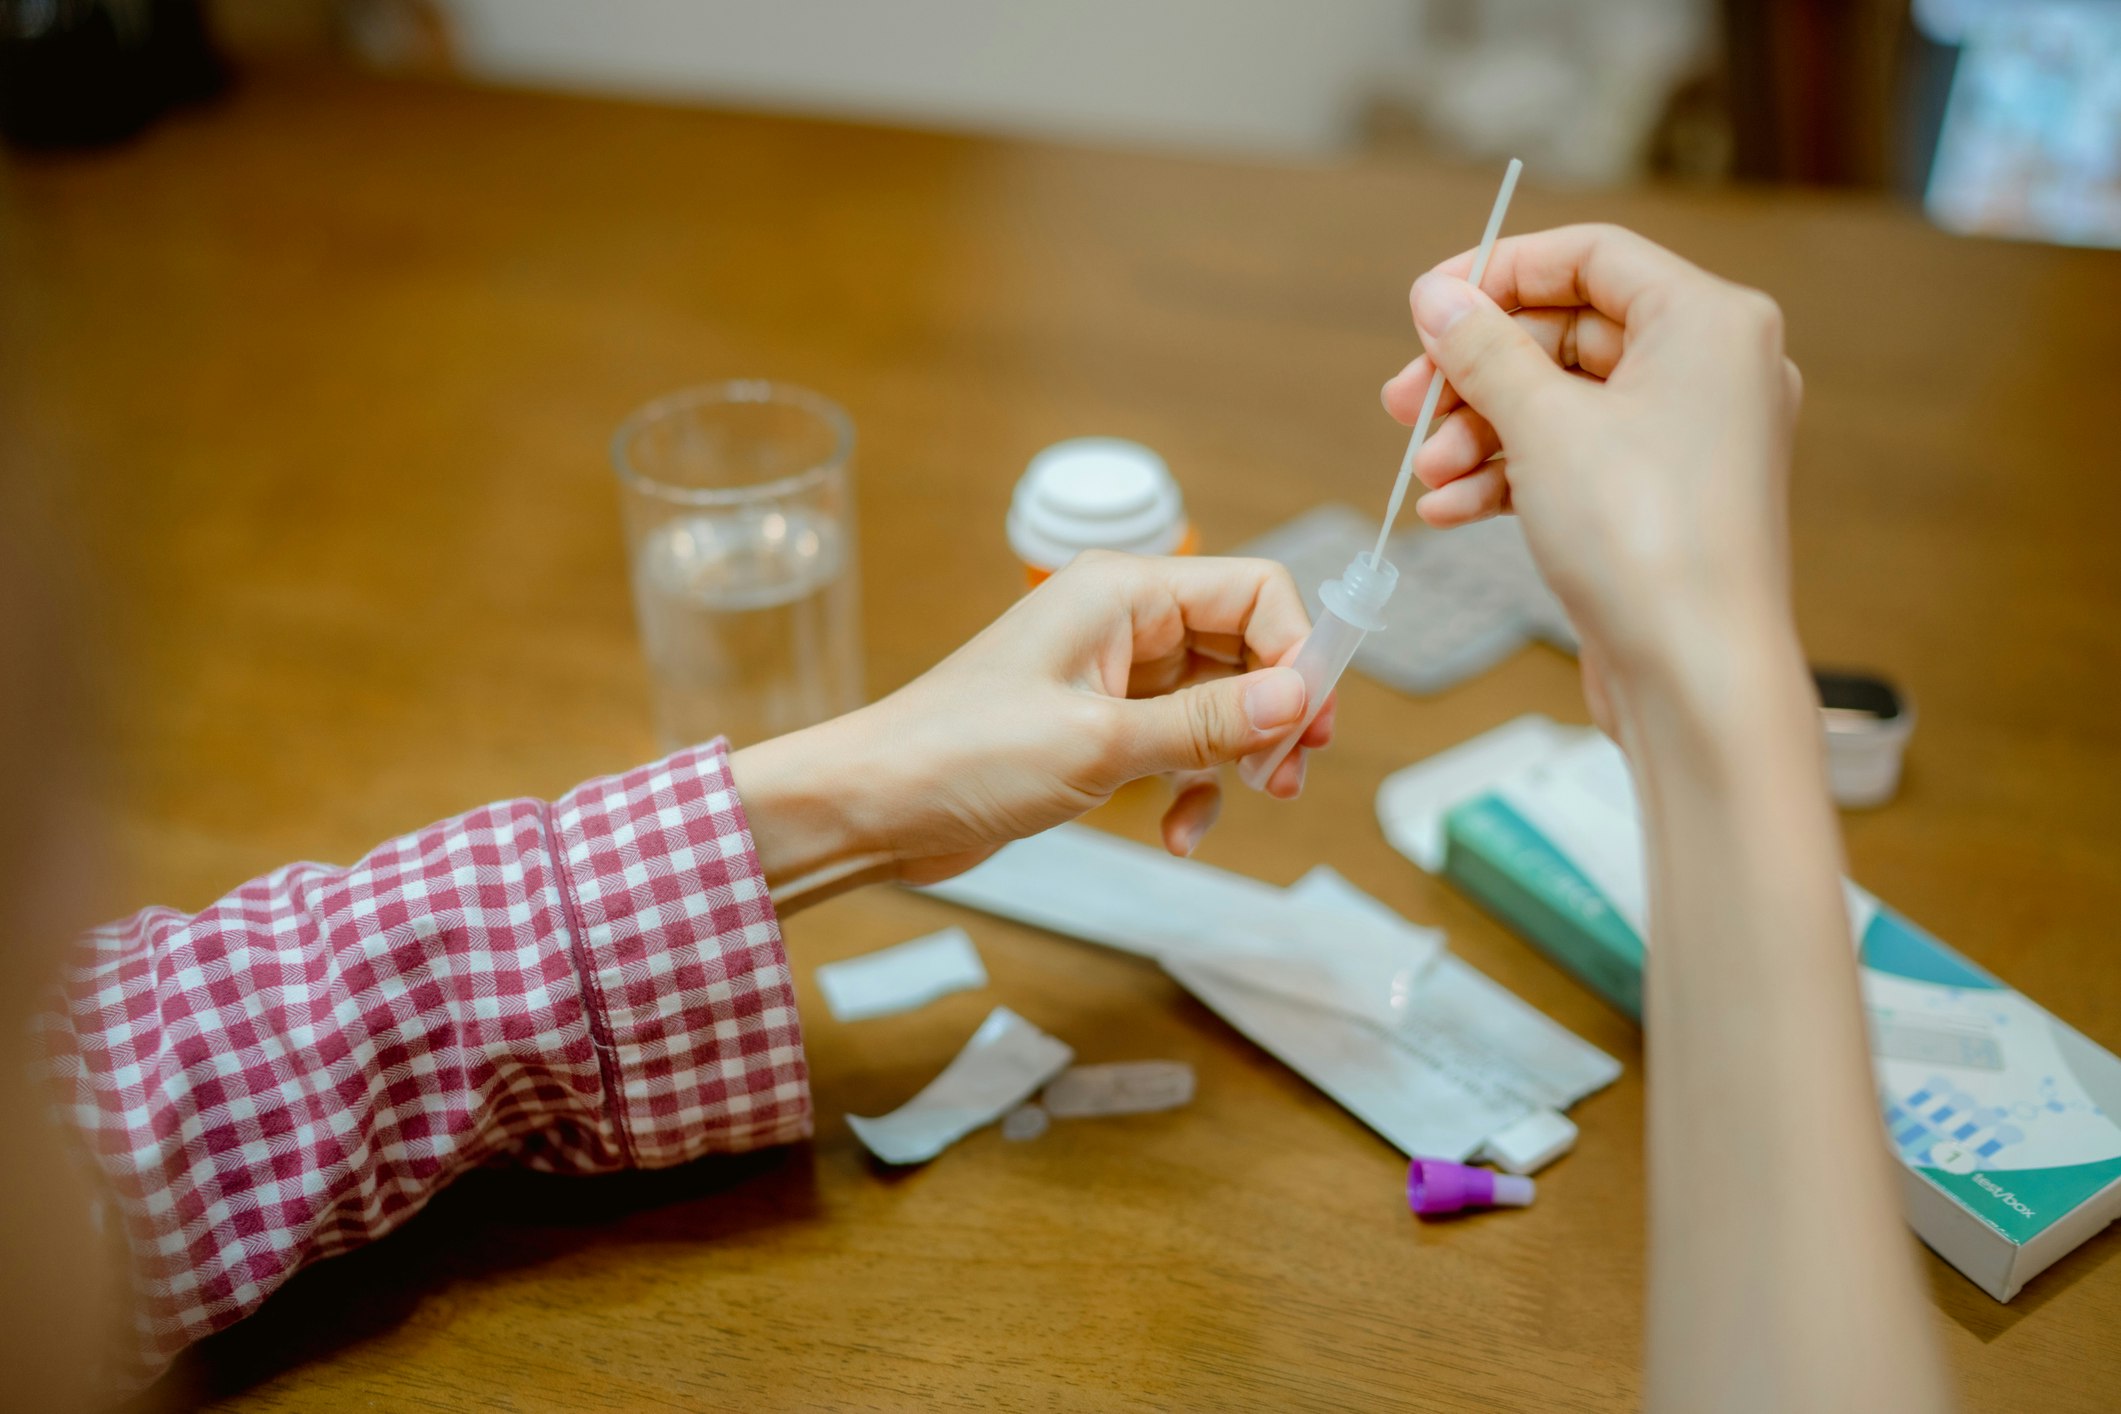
1353, 608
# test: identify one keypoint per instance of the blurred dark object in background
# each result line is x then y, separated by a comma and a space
403, 37
81, 72
1819, 89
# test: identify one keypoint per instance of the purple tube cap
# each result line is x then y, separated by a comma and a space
1439, 1186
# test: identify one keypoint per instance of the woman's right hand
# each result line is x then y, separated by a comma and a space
1636, 412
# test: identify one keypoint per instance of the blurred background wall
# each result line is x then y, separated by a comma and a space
2002, 116
1576, 88
1263, 76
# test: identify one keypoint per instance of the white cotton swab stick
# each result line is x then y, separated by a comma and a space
1428, 404
1352, 607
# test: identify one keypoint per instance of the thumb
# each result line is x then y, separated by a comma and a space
1210, 723
1494, 365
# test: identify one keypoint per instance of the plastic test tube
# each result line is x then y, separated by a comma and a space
1353, 609
1354, 603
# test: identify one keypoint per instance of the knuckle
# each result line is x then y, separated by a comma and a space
1206, 728
1095, 717
1097, 726
1761, 315
1276, 579
1093, 573
1662, 300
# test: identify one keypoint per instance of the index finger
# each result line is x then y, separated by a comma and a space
1254, 601
1608, 268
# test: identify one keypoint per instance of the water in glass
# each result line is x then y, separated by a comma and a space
749, 619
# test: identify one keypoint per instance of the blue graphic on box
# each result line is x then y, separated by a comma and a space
1941, 1124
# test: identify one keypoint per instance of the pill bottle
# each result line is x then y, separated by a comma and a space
1095, 493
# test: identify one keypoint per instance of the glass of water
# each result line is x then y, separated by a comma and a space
739, 508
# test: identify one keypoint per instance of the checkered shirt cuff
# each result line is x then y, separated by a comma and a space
693, 1006
297, 1069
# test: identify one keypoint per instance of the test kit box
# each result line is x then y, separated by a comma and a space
2002, 1116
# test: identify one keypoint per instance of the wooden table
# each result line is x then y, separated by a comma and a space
328, 370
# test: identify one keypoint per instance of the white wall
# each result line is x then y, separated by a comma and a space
1264, 76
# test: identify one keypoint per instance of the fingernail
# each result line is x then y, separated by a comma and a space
1274, 698
1189, 839
1439, 302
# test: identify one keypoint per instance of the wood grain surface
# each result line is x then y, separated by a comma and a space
324, 373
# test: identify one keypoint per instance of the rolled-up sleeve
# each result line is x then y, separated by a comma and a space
691, 1004
585, 984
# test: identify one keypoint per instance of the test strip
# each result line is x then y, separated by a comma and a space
1003, 1065
901, 978
1121, 1088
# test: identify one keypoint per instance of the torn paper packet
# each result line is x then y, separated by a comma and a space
1417, 1044
901, 978
1095, 886
1466, 1062
1004, 1064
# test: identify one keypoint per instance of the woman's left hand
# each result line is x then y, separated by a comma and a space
1116, 668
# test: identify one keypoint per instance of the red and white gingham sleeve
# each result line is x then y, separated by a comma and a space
586, 984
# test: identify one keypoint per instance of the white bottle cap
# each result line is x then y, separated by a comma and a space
1094, 493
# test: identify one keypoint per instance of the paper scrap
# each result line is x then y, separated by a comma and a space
1004, 1064
1123, 1088
900, 978
1091, 885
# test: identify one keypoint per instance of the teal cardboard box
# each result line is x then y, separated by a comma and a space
2003, 1117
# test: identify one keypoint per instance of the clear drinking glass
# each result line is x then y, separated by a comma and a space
739, 508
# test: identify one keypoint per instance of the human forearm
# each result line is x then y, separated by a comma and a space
1637, 413
1117, 668
1780, 1268
799, 793
588, 984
